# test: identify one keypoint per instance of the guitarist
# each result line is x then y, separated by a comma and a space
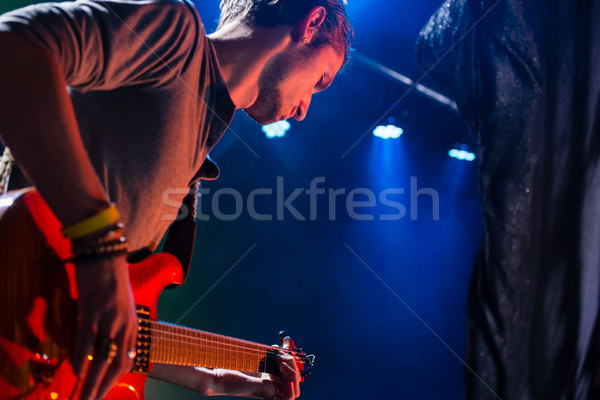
107, 103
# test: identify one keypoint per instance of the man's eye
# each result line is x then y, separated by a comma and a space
320, 83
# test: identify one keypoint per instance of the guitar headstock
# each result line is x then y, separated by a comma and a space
304, 362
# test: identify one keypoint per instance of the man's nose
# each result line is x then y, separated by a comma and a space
302, 109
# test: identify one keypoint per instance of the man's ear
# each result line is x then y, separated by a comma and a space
306, 29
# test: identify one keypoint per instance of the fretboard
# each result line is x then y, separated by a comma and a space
173, 344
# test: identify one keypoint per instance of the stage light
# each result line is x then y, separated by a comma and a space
388, 132
461, 152
276, 130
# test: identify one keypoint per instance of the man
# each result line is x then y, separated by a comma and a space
526, 76
149, 95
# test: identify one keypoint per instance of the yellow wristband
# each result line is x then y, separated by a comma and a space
105, 218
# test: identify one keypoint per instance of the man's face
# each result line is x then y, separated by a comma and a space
289, 80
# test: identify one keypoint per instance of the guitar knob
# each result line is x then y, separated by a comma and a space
42, 372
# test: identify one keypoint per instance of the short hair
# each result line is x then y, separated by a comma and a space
336, 30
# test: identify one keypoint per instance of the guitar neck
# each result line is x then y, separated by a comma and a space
177, 345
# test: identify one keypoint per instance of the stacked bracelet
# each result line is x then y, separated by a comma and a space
99, 250
97, 238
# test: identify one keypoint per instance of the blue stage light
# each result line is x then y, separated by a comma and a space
276, 130
388, 132
461, 153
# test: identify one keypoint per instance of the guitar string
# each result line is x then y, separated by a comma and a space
174, 338
160, 328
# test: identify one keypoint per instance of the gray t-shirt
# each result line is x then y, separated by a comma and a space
149, 97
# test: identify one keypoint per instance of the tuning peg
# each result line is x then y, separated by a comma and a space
286, 341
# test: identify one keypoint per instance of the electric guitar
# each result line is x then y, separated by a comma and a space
38, 297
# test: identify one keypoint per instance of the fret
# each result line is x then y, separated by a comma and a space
259, 356
200, 350
173, 335
265, 362
188, 341
224, 350
244, 356
221, 352
155, 353
212, 351
172, 344
172, 350
177, 341
160, 344
204, 350
195, 359
217, 350
159, 350
248, 352
215, 346
181, 345
237, 357
241, 349
230, 351
254, 358
188, 347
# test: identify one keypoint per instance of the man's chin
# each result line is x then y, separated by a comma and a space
261, 119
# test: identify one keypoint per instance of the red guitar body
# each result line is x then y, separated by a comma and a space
38, 296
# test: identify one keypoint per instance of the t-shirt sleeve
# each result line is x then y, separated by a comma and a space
102, 45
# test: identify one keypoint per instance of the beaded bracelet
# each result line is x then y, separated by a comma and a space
99, 249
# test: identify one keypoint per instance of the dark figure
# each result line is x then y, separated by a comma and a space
527, 79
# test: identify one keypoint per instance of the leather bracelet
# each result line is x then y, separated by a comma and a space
93, 257
110, 246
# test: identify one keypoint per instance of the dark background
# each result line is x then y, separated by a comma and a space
380, 303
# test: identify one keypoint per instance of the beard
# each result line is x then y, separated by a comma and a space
268, 107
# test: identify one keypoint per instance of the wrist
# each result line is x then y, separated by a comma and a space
98, 222
105, 244
267, 389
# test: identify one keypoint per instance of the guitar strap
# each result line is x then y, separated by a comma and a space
179, 240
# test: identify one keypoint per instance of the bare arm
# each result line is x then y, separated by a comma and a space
37, 122
210, 382
214, 382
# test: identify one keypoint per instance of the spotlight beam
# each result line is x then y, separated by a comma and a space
403, 79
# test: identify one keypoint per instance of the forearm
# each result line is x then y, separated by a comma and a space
211, 382
38, 123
